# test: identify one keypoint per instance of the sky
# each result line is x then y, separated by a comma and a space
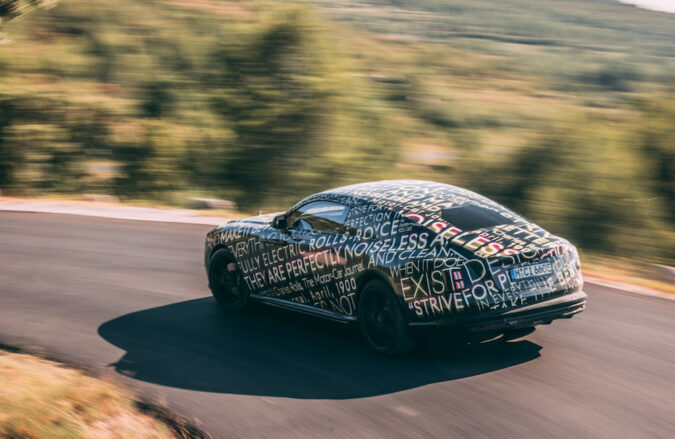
657, 5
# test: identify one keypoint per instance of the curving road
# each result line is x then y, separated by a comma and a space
129, 299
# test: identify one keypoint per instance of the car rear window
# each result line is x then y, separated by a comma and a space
472, 217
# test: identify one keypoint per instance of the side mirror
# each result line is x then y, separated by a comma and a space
279, 222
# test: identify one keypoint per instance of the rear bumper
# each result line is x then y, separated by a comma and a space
563, 307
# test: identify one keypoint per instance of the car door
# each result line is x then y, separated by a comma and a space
272, 260
317, 229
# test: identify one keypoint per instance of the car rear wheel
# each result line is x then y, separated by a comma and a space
381, 321
226, 283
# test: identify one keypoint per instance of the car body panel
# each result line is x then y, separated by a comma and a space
408, 233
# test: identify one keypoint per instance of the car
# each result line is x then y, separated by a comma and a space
395, 257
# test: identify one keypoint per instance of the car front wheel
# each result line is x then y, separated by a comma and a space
226, 282
381, 321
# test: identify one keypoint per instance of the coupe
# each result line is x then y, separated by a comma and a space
393, 256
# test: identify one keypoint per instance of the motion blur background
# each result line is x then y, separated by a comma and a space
562, 110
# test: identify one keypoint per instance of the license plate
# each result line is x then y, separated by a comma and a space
534, 270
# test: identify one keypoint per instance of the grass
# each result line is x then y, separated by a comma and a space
44, 399
628, 272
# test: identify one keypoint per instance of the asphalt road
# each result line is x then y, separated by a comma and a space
130, 299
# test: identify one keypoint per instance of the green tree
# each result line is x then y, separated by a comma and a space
8, 156
11, 9
657, 145
274, 97
46, 159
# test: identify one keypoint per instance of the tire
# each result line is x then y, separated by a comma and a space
226, 283
383, 325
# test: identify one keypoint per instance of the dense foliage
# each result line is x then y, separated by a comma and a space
564, 115
11, 9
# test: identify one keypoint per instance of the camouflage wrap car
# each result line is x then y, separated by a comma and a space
392, 255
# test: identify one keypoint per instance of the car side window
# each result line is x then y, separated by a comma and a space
325, 216
302, 224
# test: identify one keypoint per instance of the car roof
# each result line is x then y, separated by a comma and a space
370, 190
419, 196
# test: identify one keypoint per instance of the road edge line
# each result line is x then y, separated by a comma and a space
628, 288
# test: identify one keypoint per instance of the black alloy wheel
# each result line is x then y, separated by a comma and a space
381, 321
226, 282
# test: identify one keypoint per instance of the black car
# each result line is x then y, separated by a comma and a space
395, 255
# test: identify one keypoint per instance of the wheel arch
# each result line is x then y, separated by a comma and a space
367, 276
215, 249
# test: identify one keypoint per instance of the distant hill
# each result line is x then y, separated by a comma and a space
572, 35
560, 109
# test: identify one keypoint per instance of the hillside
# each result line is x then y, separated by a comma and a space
567, 40
561, 109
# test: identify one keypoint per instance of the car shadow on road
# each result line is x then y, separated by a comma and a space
269, 352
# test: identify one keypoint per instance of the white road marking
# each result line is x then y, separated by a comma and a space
630, 288
103, 210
